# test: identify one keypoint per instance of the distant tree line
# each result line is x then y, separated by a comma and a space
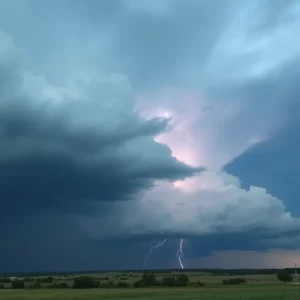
147, 280
89, 282
234, 281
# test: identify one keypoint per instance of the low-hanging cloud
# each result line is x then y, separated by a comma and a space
82, 143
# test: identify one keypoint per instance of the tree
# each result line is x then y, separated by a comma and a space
149, 279
122, 284
17, 284
182, 280
36, 285
62, 285
284, 276
139, 284
234, 281
84, 282
199, 283
169, 282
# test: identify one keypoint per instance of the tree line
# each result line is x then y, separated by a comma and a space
147, 280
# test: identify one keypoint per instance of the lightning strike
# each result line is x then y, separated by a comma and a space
151, 250
190, 139
180, 253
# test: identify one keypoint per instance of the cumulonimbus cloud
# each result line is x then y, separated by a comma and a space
81, 143
84, 142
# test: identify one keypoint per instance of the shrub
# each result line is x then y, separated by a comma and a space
182, 280
169, 282
61, 285
17, 284
84, 282
26, 279
284, 276
45, 280
149, 279
107, 285
1, 286
36, 285
122, 284
199, 283
234, 281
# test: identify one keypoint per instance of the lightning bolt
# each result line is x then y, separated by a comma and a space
190, 139
180, 253
151, 250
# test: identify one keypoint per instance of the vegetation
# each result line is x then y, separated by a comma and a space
85, 282
17, 284
234, 281
176, 284
260, 292
284, 276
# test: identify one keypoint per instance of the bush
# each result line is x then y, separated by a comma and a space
46, 279
4, 280
17, 284
36, 285
122, 284
1, 286
198, 283
84, 282
182, 280
61, 285
234, 281
284, 276
169, 282
149, 279
107, 285
139, 284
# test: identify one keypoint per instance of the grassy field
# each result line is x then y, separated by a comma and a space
258, 287
259, 292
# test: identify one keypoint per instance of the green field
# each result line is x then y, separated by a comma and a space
258, 287
261, 292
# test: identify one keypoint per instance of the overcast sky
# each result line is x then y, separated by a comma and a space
125, 123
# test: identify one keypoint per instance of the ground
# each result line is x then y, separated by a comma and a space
258, 287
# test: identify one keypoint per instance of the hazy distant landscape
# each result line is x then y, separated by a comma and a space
164, 284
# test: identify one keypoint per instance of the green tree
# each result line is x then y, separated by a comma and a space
234, 281
284, 276
182, 280
199, 283
84, 282
122, 284
149, 279
169, 281
17, 284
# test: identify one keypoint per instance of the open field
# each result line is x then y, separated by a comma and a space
260, 292
258, 287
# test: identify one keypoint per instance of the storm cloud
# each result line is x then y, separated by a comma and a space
84, 143
126, 122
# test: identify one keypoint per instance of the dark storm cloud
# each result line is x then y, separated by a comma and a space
81, 150
274, 163
163, 44
93, 147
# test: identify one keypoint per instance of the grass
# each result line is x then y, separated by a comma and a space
258, 287
259, 292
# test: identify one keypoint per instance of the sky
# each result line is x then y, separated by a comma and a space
127, 122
